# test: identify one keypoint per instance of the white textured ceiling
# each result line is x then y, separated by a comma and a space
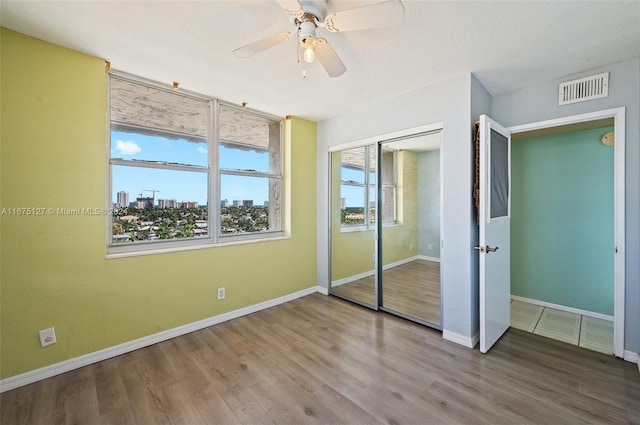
507, 45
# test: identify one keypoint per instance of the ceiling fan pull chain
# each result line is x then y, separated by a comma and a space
298, 43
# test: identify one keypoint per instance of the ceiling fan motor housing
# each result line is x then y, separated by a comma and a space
317, 8
307, 32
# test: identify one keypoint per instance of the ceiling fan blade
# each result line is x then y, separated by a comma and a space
329, 59
292, 7
261, 45
380, 15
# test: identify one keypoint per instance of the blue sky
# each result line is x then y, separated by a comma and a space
354, 195
183, 185
189, 186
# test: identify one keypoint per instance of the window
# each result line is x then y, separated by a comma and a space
172, 183
358, 187
250, 172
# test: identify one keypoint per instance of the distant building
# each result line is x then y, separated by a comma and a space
247, 203
343, 203
191, 204
122, 199
266, 204
129, 218
138, 204
224, 203
167, 203
237, 203
147, 202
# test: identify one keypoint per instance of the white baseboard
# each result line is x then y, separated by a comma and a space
632, 357
563, 308
461, 339
368, 273
352, 278
323, 290
424, 257
475, 339
107, 353
401, 262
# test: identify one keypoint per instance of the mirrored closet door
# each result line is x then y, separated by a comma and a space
353, 225
385, 226
410, 231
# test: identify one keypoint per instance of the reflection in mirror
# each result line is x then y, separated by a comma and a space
353, 189
410, 205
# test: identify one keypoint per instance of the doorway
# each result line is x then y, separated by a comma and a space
563, 200
616, 249
385, 224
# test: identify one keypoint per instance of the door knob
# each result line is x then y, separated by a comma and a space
481, 248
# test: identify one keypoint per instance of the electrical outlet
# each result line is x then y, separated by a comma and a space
221, 294
47, 337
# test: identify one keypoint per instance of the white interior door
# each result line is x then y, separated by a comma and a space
495, 220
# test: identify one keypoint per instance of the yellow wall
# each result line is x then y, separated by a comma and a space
352, 251
53, 269
401, 242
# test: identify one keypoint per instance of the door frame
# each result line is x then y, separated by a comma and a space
618, 115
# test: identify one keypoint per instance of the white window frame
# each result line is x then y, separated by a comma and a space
278, 175
367, 186
214, 237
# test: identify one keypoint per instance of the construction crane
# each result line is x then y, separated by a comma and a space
153, 191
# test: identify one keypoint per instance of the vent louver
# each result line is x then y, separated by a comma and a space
582, 89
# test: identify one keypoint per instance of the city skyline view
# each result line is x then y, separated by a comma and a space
183, 186
188, 186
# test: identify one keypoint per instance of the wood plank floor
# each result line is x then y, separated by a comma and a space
322, 360
412, 289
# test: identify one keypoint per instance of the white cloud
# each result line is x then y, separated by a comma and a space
202, 149
127, 148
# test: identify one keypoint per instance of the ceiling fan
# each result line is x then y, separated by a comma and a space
308, 15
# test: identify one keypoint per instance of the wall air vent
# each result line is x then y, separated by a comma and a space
582, 89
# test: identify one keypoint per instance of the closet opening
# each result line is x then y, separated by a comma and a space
567, 230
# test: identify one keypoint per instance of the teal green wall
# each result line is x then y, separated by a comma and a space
562, 223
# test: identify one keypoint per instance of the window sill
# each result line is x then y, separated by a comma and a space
351, 229
166, 249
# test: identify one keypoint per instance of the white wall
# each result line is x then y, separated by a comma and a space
540, 102
449, 102
480, 104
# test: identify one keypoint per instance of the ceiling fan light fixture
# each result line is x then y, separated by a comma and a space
308, 40
309, 55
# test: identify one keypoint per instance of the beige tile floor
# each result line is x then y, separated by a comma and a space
588, 332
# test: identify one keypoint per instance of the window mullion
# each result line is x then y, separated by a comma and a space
158, 165
214, 177
249, 173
